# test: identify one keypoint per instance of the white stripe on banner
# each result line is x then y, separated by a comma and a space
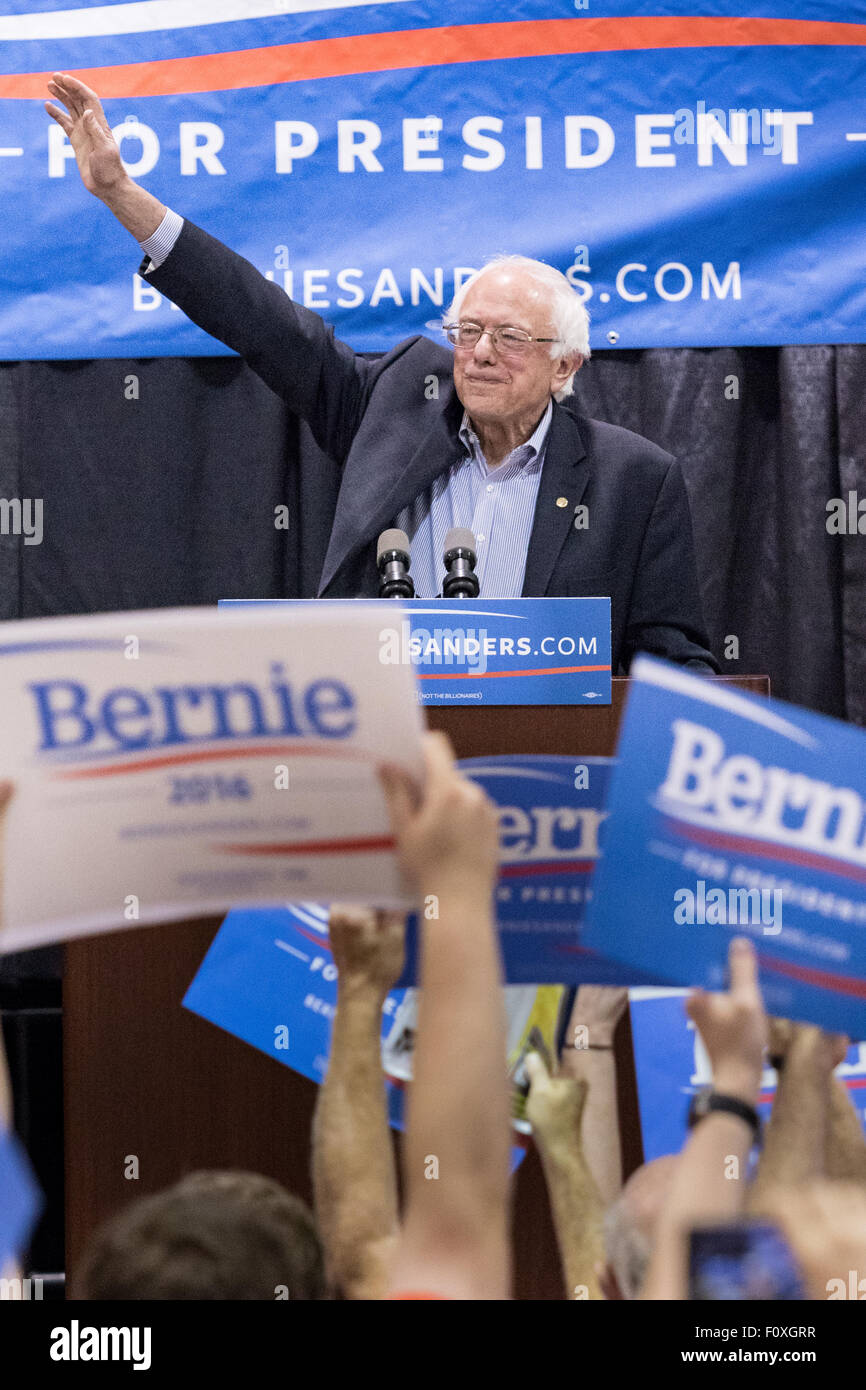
149, 15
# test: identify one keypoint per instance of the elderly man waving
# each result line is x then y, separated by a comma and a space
429, 438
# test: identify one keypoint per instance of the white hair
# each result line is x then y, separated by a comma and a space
567, 312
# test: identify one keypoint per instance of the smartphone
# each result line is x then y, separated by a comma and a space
742, 1260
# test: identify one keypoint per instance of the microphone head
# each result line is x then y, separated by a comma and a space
459, 538
391, 541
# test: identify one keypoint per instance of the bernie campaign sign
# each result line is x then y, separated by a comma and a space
171, 763
21, 1202
671, 1065
269, 978
551, 834
695, 171
525, 651
731, 815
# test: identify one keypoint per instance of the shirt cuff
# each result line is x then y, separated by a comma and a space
160, 243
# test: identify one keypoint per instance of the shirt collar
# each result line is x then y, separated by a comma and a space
536, 441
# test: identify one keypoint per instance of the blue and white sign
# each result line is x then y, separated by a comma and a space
179, 761
732, 815
671, 1065
20, 1198
551, 825
270, 979
551, 832
695, 171
525, 651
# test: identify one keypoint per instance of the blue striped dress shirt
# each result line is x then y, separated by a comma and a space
497, 504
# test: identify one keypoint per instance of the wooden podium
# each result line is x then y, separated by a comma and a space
145, 1078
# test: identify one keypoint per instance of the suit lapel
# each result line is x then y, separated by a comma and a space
360, 519
564, 475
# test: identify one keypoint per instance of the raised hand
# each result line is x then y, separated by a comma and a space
368, 946
452, 839
554, 1106
733, 1025
85, 123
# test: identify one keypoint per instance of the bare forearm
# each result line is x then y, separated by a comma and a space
708, 1187
577, 1216
796, 1135
353, 1163
459, 1106
600, 1129
135, 209
846, 1145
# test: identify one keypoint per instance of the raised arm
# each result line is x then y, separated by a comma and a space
846, 1143
555, 1108
588, 1054
797, 1136
288, 346
98, 156
353, 1158
710, 1180
454, 1241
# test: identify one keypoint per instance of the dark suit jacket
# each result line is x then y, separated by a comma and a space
392, 434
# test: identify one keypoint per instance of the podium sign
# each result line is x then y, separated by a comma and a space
523, 651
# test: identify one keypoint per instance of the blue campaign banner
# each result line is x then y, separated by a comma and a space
20, 1198
551, 832
270, 979
696, 172
525, 651
552, 821
671, 1065
733, 815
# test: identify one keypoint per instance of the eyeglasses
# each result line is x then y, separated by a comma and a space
514, 342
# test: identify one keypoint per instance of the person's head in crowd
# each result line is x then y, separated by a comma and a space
629, 1227
212, 1236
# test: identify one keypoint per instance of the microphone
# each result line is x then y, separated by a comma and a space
392, 561
460, 558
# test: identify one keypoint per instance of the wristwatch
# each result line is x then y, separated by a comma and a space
705, 1101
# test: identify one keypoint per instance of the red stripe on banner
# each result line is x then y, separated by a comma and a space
430, 48
254, 750
555, 866
373, 844
766, 849
491, 675
807, 975
322, 941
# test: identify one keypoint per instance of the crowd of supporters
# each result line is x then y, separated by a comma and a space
230, 1235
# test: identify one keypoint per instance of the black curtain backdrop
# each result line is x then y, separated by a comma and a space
169, 499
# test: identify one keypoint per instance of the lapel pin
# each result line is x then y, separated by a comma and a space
562, 501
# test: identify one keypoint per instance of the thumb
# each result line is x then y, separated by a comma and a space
398, 795
533, 1063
